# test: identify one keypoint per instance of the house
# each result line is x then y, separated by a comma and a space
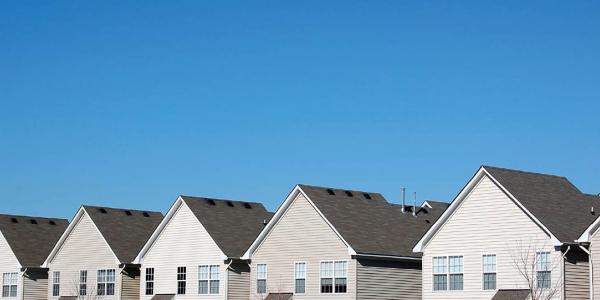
509, 234
24, 244
326, 243
195, 253
93, 258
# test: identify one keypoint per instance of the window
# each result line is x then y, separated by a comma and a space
300, 278
334, 277
106, 282
56, 284
440, 277
149, 281
181, 280
455, 271
543, 270
208, 279
489, 272
261, 279
9, 284
82, 283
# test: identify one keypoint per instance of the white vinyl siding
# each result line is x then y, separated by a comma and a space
595, 249
384, 280
301, 235
9, 263
183, 242
487, 221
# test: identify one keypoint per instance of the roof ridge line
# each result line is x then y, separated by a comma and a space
32, 217
525, 172
219, 199
123, 209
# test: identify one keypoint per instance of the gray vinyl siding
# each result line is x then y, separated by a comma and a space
388, 280
35, 284
595, 250
130, 284
238, 281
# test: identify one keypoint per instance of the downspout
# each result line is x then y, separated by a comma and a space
564, 292
591, 268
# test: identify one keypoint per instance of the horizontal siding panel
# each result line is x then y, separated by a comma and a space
383, 280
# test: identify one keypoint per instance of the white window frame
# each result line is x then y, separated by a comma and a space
56, 284
105, 282
296, 277
264, 278
10, 284
333, 276
184, 280
210, 281
462, 272
435, 272
488, 272
148, 280
83, 279
546, 269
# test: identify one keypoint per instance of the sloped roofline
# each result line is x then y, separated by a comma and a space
587, 235
279, 214
63, 238
162, 225
11, 250
462, 195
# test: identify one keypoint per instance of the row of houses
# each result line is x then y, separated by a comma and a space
508, 234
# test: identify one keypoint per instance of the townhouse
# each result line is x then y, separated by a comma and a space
195, 252
24, 245
511, 234
94, 256
327, 243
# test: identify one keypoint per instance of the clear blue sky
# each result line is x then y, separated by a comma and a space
129, 104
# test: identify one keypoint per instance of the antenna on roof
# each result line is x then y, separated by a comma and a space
414, 212
403, 199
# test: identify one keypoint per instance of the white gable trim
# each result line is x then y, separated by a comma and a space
279, 214
587, 235
11, 250
163, 224
63, 238
426, 204
482, 172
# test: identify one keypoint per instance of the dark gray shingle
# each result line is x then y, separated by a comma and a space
374, 226
31, 243
511, 295
125, 234
231, 224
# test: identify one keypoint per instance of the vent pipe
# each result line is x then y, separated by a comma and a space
592, 211
403, 200
414, 212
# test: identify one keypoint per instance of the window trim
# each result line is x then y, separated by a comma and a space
184, 280
210, 279
56, 284
10, 285
146, 281
83, 283
483, 273
333, 277
548, 268
266, 279
296, 278
461, 273
106, 283
448, 273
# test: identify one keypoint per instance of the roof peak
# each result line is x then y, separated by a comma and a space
522, 171
199, 198
119, 209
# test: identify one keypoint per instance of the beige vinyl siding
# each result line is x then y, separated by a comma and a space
9, 264
84, 249
595, 250
183, 242
130, 286
301, 235
577, 276
486, 222
35, 285
385, 280
238, 281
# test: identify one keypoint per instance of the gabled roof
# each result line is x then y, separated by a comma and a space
233, 225
125, 230
31, 238
365, 221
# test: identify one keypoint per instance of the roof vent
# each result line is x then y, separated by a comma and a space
52, 222
211, 201
229, 203
349, 193
330, 192
265, 222
592, 211
367, 196
102, 210
147, 215
32, 221
427, 221
247, 205
14, 220
128, 212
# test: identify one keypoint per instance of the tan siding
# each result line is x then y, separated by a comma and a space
183, 242
577, 277
9, 264
487, 222
35, 285
301, 235
595, 250
84, 249
382, 280
238, 281
130, 284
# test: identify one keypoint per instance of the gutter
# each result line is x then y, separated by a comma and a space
591, 268
385, 257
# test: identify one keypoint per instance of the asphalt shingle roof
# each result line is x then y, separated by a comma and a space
31, 243
233, 225
125, 233
511, 295
553, 200
374, 226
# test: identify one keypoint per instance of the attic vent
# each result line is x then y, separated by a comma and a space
32, 221
229, 203
367, 196
52, 223
424, 210
14, 220
211, 201
330, 192
102, 210
147, 215
247, 205
349, 193
427, 221
128, 212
